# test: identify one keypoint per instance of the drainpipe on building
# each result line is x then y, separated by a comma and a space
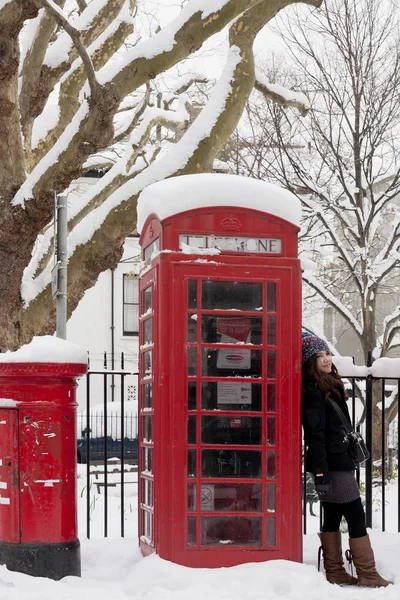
61, 267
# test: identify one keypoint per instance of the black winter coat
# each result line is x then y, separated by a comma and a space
323, 432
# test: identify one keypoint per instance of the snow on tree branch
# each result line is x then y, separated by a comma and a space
333, 301
62, 50
124, 170
63, 109
27, 189
281, 95
61, 19
198, 20
341, 159
73, 81
163, 168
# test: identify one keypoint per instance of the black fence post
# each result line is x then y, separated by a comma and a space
354, 423
88, 490
105, 448
304, 494
122, 425
369, 442
398, 455
383, 463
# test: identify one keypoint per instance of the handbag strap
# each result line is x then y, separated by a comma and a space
342, 416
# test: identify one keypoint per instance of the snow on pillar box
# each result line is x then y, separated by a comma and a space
38, 512
220, 305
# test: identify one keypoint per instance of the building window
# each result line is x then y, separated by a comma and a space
131, 304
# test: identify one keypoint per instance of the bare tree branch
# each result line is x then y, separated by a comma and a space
280, 95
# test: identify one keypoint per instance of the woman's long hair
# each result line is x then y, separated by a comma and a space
326, 382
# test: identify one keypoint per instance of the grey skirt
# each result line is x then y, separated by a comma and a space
344, 487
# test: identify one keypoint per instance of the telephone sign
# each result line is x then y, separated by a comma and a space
233, 244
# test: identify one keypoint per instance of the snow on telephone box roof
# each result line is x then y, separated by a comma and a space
188, 192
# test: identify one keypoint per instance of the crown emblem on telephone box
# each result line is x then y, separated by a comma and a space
231, 223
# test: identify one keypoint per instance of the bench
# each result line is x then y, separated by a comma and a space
114, 470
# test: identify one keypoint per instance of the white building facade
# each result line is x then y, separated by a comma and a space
105, 324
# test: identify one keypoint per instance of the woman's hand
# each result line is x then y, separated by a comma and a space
322, 484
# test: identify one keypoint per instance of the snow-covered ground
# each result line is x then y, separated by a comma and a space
113, 568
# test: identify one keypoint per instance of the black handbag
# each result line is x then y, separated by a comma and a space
356, 445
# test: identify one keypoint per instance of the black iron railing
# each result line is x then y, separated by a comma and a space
382, 468
106, 430
104, 433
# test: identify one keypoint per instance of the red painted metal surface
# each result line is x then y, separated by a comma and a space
46, 503
220, 484
9, 480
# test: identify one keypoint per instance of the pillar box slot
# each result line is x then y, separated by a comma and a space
219, 401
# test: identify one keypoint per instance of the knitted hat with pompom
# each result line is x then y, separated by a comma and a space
311, 344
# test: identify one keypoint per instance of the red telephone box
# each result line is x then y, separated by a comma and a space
219, 401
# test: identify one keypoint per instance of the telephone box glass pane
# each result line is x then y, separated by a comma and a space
231, 330
271, 397
271, 464
148, 299
271, 532
148, 426
191, 395
231, 430
231, 362
191, 463
232, 497
191, 497
192, 353
148, 459
148, 330
271, 331
192, 537
192, 293
147, 363
148, 524
191, 429
271, 431
192, 328
148, 492
231, 295
271, 364
148, 395
271, 497
231, 395
271, 297
231, 463
231, 531
151, 249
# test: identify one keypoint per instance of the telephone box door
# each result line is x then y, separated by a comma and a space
9, 476
237, 476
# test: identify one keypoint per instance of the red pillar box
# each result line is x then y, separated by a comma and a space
220, 362
38, 508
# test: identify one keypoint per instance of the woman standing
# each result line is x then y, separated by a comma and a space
333, 468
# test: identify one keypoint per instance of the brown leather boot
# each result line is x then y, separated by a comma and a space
364, 562
331, 542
